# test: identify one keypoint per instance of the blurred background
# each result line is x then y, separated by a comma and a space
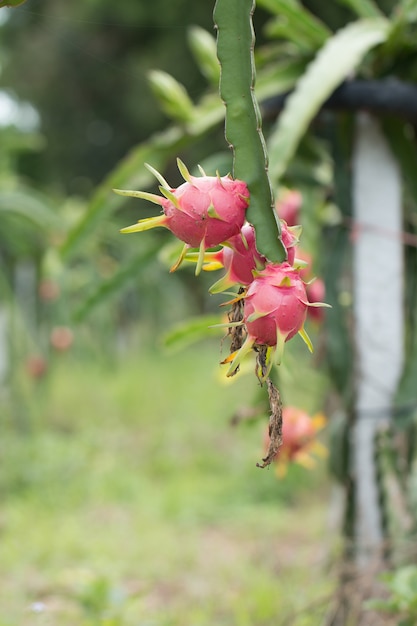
127, 495
128, 483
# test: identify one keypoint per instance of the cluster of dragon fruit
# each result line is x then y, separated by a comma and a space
270, 301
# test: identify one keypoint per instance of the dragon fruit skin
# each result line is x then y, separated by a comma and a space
316, 292
290, 238
202, 212
275, 309
275, 304
211, 209
288, 206
239, 257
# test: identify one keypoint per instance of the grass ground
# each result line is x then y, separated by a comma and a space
131, 501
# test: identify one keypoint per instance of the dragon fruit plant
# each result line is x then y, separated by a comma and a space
230, 222
207, 211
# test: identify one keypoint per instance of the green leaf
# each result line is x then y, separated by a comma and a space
278, 78
160, 148
172, 96
235, 43
333, 64
130, 173
203, 48
407, 10
363, 8
26, 205
118, 282
192, 330
305, 27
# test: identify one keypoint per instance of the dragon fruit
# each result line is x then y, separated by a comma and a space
203, 212
315, 287
290, 236
238, 256
316, 291
299, 439
288, 206
275, 305
241, 259
275, 309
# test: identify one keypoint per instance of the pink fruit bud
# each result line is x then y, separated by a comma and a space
240, 258
36, 366
316, 292
202, 212
298, 430
48, 290
288, 206
290, 237
61, 338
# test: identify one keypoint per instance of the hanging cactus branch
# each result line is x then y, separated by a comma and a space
235, 44
230, 221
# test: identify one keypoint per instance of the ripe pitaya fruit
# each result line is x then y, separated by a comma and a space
241, 259
275, 309
316, 292
202, 212
238, 256
299, 438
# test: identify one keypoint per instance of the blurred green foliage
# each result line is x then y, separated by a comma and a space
132, 501
401, 601
83, 65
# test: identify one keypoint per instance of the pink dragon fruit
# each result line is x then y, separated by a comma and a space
290, 236
241, 259
315, 287
288, 206
316, 291
299, 439
276, 304
202, 212
238, 256
275, 309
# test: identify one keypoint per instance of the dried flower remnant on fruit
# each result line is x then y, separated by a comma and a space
275, 405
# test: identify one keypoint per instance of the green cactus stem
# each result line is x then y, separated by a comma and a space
235, 45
